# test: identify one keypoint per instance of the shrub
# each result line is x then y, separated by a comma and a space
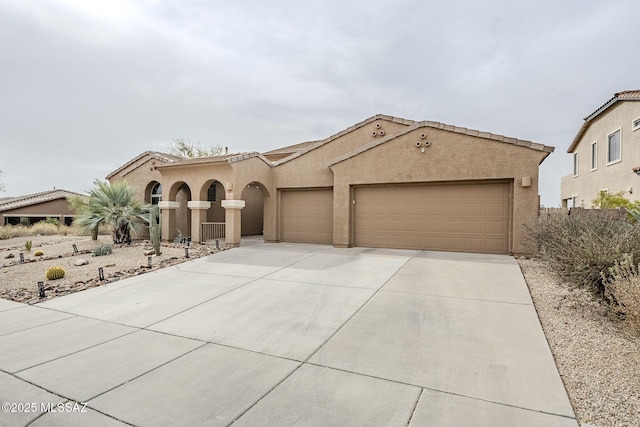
27, 245
38, 253
10, 231
103, 249
55, 273
623, 290
43, 228
583, 247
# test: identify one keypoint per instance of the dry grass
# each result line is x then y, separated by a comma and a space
42, 229
623, 289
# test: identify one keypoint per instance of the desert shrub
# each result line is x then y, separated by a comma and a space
622, 288
27, 245
583, 247
43, 228
10, 231
103, 249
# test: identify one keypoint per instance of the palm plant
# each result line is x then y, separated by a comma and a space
114, 205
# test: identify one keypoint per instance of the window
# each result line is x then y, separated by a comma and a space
636, 124
574, 202
575, 164
614, 147
594, 156
156, 194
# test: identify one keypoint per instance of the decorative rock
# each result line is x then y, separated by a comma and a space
151, 252
81, 261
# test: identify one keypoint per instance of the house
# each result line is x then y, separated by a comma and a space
36, 207
383, 182
606, 153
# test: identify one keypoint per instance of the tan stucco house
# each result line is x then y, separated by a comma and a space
32, 208
384, 182
605, 153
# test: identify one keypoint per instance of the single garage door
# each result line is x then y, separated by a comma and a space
307, 216
444, 217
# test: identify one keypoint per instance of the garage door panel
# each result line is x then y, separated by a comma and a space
452, 217
307, 216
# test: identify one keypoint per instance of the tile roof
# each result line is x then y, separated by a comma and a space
163, 157
412, 124
627, 95
34, 199
451, 128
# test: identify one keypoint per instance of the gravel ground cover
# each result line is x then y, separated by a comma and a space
598, 362
19, 281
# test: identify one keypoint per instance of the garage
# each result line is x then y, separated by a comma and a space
307, 216
457, 217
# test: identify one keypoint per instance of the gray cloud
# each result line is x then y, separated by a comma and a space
88, 85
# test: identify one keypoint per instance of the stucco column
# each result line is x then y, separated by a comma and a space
198, 216
168, 216
233, 221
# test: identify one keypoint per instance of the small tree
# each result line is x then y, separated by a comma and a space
183, 147
606, 200
114, 205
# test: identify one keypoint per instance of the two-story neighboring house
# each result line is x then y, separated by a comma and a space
606, 153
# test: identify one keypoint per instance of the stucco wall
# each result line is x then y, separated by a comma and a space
450, 157
613, 177
310, 169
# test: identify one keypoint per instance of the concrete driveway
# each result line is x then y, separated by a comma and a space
284, 334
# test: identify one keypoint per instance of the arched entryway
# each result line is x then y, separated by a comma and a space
176, 218
253, 195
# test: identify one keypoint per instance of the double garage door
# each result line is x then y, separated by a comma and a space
446, 217
451, 217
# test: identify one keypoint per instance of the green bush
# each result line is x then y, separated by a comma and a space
103, 249
583, 247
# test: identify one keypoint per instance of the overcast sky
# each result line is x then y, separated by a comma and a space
85, 86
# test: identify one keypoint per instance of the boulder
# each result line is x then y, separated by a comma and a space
81, 261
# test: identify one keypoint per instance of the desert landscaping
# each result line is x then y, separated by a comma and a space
19, 281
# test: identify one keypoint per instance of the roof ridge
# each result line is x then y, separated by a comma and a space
344, 132
446, 127
626, 95
40, 197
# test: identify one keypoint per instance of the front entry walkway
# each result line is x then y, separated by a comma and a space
285, 334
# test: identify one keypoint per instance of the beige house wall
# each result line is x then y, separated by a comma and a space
451, 157
613, 177
380, 150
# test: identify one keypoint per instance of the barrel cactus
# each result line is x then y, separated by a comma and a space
55, 273
38, 253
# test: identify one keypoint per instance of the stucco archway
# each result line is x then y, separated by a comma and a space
253, 195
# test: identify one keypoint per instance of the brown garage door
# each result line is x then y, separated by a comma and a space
446, 217
307, 216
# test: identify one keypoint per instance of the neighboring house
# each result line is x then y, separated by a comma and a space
606, 153
384, 182
32, 208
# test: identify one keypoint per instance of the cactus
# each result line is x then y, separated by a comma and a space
38, 253
27, 245
55, 273
155, 231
